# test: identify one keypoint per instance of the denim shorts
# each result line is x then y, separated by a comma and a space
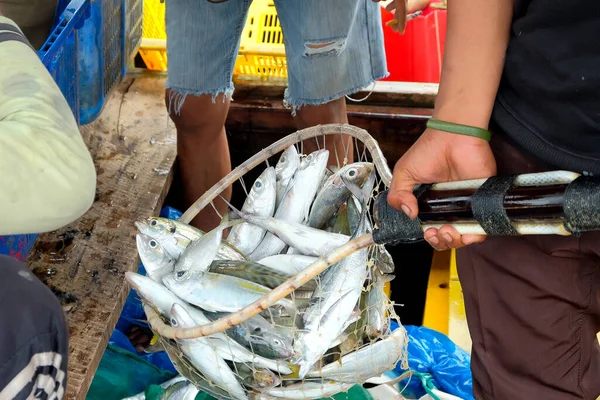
333, 48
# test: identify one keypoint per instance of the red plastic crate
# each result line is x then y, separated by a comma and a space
417, 55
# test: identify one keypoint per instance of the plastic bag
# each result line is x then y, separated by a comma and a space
433, 353
122, 374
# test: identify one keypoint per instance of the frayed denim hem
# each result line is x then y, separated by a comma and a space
296, 104
177, 96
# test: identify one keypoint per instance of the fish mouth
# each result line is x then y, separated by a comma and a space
141, 225
133, 280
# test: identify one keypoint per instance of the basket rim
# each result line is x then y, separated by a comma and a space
367, 140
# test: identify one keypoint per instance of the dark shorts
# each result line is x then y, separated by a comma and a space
33, 336
533, 308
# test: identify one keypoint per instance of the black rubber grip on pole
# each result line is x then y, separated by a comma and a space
487, 204
393, 226
582, 205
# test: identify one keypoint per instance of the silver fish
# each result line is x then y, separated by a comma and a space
284, 170
185, 367
376, 302
175, 237
201, 252
306, 240
155, 259
204, 357
186, 391
217, 292
260, 337
163, 299
165, 385
369, 361
254, 272
335, 299
334, 192
308, 390
296, 201
260, 201
288, 264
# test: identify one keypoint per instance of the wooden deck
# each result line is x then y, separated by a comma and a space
133, 145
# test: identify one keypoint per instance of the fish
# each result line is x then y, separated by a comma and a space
163, 299
306, 240
371, 360
165, 385
156, 261
335, 299
334, 192
376, 307
381, 257
255, 377
254, 272
260, 201
178, 391
204, 357
340, 222
296, 201
286, 166
260, 337
287, 264
185, 367
201, 252
218, 292
308, 390
175, 236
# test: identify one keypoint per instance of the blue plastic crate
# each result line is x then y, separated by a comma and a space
90, 49
60, 49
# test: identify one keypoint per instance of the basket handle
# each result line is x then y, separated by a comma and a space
329, 129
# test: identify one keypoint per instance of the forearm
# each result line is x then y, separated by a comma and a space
476, 41
47, 177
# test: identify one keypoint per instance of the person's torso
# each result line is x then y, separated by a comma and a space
549, 97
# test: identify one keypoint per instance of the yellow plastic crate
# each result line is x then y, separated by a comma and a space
262, 51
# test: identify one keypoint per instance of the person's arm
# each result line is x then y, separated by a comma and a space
476, 42
47, 176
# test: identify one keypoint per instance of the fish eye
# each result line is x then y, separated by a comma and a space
173, 322
180, 274
283, 159
257, 330
153, 243
154, 222
310, 157
277, 342
352, 173
258, 184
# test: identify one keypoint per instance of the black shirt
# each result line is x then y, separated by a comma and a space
548, 101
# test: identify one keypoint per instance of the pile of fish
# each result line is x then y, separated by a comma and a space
327, 336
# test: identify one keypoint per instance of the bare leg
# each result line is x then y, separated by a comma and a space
333, 112
202, 152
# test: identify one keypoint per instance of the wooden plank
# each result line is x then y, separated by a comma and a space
133, 146
404, 94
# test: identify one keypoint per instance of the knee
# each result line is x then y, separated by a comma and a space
196, 115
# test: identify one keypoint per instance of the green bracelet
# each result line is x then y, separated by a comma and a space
459, 129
